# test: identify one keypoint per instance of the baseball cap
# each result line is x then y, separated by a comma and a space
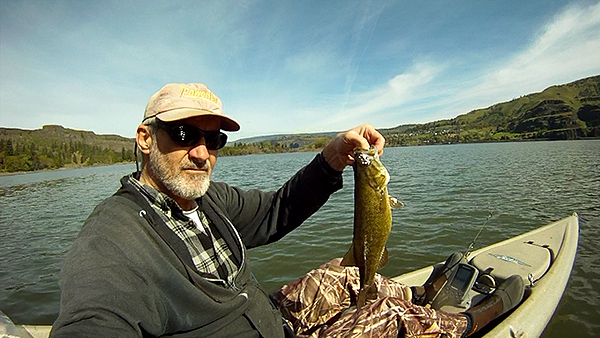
178, 101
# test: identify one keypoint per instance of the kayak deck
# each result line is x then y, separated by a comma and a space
547, 254
544, 259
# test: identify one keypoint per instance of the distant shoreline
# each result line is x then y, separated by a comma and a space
2, 174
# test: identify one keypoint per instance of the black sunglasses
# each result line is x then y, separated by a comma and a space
186, 135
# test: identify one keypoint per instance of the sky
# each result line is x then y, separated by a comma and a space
286, 66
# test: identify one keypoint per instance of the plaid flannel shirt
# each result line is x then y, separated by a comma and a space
209, 251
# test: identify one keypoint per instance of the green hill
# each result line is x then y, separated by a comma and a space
567, 111
54, 146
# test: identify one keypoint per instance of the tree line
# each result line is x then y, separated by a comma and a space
308, 143
28, 155
38, 150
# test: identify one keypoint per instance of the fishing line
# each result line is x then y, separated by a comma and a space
472, 244
431, 280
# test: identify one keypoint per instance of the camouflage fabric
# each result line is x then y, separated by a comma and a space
317, 305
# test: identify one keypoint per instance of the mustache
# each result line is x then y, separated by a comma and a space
192, 165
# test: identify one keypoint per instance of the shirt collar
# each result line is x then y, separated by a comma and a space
157, 198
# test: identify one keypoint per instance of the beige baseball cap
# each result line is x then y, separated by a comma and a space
178, 101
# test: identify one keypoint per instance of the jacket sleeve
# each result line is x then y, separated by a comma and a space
265, 217
103, 293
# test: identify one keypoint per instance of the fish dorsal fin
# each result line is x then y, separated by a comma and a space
349, 259
384, 258
395, 203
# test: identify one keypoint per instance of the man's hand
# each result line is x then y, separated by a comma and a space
338, 153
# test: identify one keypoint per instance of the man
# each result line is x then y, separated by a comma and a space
166, 254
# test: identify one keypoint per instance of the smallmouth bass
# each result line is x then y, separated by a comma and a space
372, 219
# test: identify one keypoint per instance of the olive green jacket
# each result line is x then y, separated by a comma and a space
128, 274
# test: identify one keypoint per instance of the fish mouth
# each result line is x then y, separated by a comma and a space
363, 158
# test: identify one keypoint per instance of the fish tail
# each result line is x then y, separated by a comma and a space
367, 292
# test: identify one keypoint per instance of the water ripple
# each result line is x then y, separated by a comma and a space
449, 192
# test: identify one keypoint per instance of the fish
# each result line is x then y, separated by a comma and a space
372, 219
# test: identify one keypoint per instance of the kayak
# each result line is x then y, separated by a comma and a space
543, 257
9, 329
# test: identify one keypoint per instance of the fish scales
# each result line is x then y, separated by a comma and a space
372, 220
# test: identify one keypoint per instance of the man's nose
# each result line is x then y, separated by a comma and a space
199, 151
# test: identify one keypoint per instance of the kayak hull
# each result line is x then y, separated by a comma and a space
531, 317
544, 258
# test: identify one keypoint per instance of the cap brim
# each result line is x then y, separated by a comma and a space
227, 123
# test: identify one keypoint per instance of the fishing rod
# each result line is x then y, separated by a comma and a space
472, 244
461, 279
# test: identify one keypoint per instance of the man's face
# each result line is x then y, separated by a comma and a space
182, 172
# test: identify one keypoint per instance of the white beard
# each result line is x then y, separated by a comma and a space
178, 181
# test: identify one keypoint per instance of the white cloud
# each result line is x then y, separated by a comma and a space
398, 91
283, 67
309, 62
566, 49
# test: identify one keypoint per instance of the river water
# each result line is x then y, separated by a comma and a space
449, 191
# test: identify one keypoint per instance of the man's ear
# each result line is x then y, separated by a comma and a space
143, 138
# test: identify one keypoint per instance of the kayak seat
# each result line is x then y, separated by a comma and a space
522, 258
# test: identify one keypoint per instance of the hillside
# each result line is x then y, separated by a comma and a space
54, 146
569, 111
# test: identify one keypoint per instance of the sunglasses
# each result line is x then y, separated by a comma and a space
186, 135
